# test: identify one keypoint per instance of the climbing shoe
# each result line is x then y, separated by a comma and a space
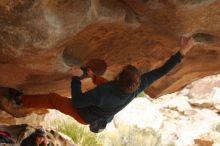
14, 96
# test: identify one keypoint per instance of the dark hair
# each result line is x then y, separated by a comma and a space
128, 79
98, 66
40, 132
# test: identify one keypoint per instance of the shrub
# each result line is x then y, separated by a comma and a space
218, 127
79, 134
131, 136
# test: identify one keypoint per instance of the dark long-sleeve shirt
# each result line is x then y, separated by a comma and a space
105, 100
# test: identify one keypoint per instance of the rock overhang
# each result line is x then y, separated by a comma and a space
39, 39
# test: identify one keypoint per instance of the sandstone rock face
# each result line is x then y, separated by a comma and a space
40, 38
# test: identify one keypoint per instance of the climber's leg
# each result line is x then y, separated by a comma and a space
52, 101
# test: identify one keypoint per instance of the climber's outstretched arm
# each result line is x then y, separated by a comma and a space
148, 78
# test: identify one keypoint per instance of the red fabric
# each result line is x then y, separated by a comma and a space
6, 134
55, 101
99, 80
52, 101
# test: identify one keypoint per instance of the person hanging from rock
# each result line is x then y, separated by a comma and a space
93, 69
98, 106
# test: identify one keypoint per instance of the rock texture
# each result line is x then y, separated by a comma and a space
173, 117
20, 132
40, 38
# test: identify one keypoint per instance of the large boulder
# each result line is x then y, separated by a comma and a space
39, 39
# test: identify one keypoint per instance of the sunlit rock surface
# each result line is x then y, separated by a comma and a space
189, 117
205, 92
40, 38
173, 117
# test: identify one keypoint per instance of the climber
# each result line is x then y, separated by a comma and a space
98, 106
93, 69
